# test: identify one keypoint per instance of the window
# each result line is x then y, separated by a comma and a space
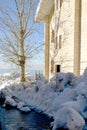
59, 3
57, 68
52, 65
59, 41
56, 44
52, 36
56, 4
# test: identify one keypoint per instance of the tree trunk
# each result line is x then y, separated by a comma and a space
23, 72
22, 61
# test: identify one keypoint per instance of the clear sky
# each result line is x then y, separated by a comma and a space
37, 62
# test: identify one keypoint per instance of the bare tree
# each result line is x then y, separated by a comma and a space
18, 27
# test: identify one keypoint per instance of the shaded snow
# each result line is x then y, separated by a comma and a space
21, 106
67, 117
64, 95
10, 101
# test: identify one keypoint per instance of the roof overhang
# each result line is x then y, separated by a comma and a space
43, 10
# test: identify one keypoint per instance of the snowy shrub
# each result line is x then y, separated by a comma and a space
68, 118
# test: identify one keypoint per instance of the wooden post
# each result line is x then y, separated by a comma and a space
46, 71
77, 37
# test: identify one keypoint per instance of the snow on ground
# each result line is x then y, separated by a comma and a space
23, 107
70, 119
8, 79
64, 98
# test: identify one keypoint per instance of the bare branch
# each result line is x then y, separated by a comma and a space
17, 27
17, 8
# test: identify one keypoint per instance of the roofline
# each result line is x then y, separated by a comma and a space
43, 10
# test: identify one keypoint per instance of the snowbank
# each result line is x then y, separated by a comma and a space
64, 98
9, 101
23, 107
68, 118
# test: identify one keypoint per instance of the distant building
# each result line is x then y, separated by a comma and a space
65, 35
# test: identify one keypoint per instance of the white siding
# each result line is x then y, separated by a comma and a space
63, 56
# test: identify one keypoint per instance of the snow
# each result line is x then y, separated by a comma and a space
9, 101
22, 106
64, 98
70, 119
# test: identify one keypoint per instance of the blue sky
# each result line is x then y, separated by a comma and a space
37, 61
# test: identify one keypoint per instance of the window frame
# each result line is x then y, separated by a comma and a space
59, 41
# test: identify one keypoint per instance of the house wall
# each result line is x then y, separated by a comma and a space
62, 22
67, 24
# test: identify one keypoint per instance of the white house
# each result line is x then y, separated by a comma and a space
65, 35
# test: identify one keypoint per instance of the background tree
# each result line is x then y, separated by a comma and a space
18, 27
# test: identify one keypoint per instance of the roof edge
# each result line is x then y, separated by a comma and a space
43, 10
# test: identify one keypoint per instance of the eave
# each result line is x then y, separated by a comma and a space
43, 10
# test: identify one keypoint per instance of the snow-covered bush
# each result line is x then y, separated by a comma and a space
64, 98
68, 118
